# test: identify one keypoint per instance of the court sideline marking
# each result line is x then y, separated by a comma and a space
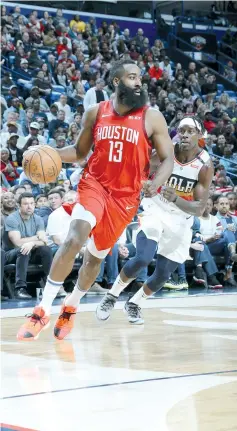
104, 385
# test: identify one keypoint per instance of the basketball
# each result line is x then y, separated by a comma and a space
42, 164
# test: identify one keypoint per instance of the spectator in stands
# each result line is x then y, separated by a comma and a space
25, 241
230, 136
28, 119
17, 191
7, 167
35, 95
63, 106
52, 115
217, 111
31, 142
55, 200
59, 123
8, 205
34, 133
210, 86
232, 197
96, 94
24, 71
13, 94
15, 155
208, 122
15, 107
229, 72
224, 101
41, 201
232, 110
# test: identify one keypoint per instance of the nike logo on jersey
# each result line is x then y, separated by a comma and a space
131, 117
129, 208
106, 115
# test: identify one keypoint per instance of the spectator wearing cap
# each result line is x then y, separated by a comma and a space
9, 128
35, 94
15, 154
34, 132
24, 71
13, 94
59, 122
63, 106
95, 95
7, 167
34, 60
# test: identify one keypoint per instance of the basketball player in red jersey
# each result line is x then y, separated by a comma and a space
123, 132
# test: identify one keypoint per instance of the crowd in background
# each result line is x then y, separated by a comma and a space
52, 71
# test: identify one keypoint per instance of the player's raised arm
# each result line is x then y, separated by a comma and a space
84, 142
200, 193
158, 132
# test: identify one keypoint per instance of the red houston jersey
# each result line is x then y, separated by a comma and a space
122, 151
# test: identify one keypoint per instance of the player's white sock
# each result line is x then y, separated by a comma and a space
118, 286
74, 298
138, 297
49, 294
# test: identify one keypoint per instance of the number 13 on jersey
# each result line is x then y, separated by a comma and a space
115, 151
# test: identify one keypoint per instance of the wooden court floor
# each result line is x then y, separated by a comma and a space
178, 372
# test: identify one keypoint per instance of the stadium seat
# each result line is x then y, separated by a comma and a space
58, 88
11, 60
220, 88
230, 93
55, 96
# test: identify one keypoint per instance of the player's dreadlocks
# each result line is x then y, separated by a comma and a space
118, 70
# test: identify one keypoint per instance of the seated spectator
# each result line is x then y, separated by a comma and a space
55, 200
208, 122
224, 101
24, 242
43, 84
232, 110
217, 111
27, 121
24, 71
31, 142
232, 197
17, 107
59, 123
80, 25
35, 95
34, 133
52, 115
95, 95
34, 60
72, 134
7, 167
63, 106
41, 201
8, 205
17, 191
13, 94
210, 86
229, 225
15, 155
230, 136
49, 38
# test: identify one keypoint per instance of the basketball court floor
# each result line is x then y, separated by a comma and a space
178, 372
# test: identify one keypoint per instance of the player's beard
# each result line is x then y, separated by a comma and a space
128, 97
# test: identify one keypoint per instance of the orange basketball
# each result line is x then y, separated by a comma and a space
42, 164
